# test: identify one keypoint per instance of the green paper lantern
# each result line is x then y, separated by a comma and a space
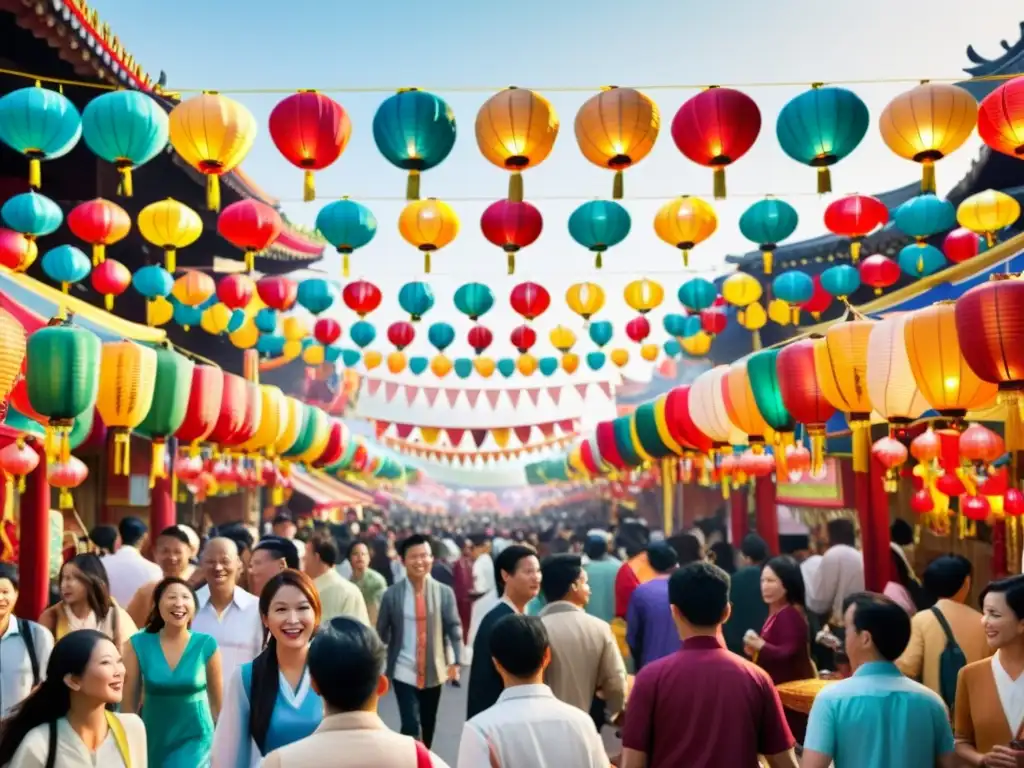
647, 431
624, 442
764, 383
61, 375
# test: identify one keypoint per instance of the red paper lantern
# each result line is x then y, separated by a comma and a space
716, 128
66, 475
188, 468
713, 321
311, 130
1013, 502
19, 399
605, 434
949, 484
638, 329
361, 296
980, 445
994, 485
224, 472
250, 225
990, 317
926, 446
232, 412
17, 460
891, 453
1001, 118
277, 292
511, 225
680, 426
803, 398
961, 244
251, 415
922, 502
480, 338
327, 330
401, 334
855, 217
203, 405
100, 223
798, 461
235, 291
110, 278
335, 445
879, 272
756, 464
17, 252
523, 337
530, 300
976, 508
820, 300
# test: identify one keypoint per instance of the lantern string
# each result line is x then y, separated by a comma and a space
566, 197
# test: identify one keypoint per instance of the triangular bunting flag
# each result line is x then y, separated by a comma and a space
582, 390
472, 395
548, 430
431, 393
501, 436
492, 397
513, 396
533, 394
606, 387
410, 394
455, 436
404, 430
429, 434
479, 435
567, 426
555, 393
523, 434
390, 390
373, 385
452, 395
381, 427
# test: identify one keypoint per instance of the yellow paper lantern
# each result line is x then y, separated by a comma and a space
293, 424
585, 299
274, 416
313, 355
441, 366
891, 386
159, 311
396, 362
246, 336
620, 357
291, 349
428, 225
213, 134
643, 295
484, 366
562, 338
841, 368
927, 123
570, 362
740, 405
697, 345
649, 352
741, 289
685, 223
215, 319
753, 317
779, 312
616, 129
171, 226
127, 378
371, 359
985, 213
321, 436
515, 130
294, 328
526, 364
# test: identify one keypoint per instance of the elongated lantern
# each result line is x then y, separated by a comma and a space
127, 379
803, 396
203, 408
171, 390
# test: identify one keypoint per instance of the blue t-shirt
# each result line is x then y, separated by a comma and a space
879, 719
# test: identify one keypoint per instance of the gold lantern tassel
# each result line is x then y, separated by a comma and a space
171, 260
108, 301
855, 254
686, 256
920, 264
65, 287
122, 453
990, 239
35, 173
412, 186
768, 259
344, 263
308, 187
213, 192
250, 260
726, 488
125, 185
668, 485
511, 263
515, 187
99, 254
67, 501
277, 496
426, 262
817, 435
618, 186
824, 180
598, 260
719, 183
861, 434
928, 177
157, 469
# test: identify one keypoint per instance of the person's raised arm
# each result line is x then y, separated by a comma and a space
132, 679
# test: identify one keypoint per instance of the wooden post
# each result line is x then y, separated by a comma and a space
738, 510
34, 555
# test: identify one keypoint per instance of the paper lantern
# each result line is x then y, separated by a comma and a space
820, 299
685, 223
938, 363
716, 128
362, 334
414, 131
252, 411
767, 223
820, 127
171, 226
40, 124
440, 366
892, 389
65, 264
879, 272
840, 368
18, 460
516, 129
511, 226
598, 225
752, 317
920, 260
251, 226
526, 364
12, 351
401, 334
315, 295
310, 130
327, 330
638, 329
562, 338
855, 217
416, 298
294, 328
474, 300
585, 299
530, 300
697, 345
891, 454
643, 295
17, 252
601, 332
479, 338
697, 294
980, 445
235, 291
348, 226
361, 296
713, 321
841, 281
924, 216
441, 336
616, 129
961, 244
794, 288
127, 377
193, 288
66, 475
215, 319
296, 415
100, 223
680, 424
205, 394
740, 404
927, 123
32, 214
278, 293
171, 390
272, 424
213, 134
1001, 118
763, 373
127, 129
523, 337
111, 278
619, 357
803, 396
159, 311
707, 407
986, 213
429, 225
231, 410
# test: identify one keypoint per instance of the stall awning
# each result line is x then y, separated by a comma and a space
352, 496
307, 486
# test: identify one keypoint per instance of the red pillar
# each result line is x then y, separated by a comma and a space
766, 513
738, 515
872, 503
162, 510
34, 556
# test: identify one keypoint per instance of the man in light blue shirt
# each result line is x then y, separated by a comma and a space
878, 718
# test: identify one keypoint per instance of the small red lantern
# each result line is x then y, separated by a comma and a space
1013, 502
855, 217
892, 454
922, 502
235, 291
250, 225
110, 278
17, 252
994, 484
203, 405
511, 225
100, 223
480, 338
820, 300
66, 475
926, 446
980, 445
798, 461
523, 337
713, 321
680, 425
1001, 118
879, 272
802, 396
327, 330
361, 296
530, 300
188, 468
976, 508
961, 244
949, 484
277, 292
232, 412
756, 464
18, 460
224, 472
716, 128
638, 329
401, 334
311, 130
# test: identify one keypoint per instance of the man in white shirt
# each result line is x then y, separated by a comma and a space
127, 569
528, 726
24, 646
338, 595
226, 611
839, 574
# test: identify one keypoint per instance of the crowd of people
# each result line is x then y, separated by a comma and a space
237, 650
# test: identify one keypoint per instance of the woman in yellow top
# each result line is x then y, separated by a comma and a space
85, 602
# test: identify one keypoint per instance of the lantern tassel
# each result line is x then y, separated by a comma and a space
861, 446
686, 256
108, 301
855, 251
213, 192
618, 186
515, 187
990, 239
344, 263
824, 181
171, 259
308, 187
928, 177
125, 188
511, 263
426, 262
719, 183
250, 260
67, 501
817, 436
412, 186
598, 261
157, 466
768, 259
99, 254
755, 340
65, 287
277, 496
35, 173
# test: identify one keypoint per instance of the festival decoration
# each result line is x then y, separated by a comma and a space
186, 316
643, 295
1001, 118
530, 300
924, 216
396, 362
362, 334
855, 217
841, 281
348, 226
278, 293
753, 317
12, 351
171, 226
315, 295
891, 386
193, 288
962, 244
562, 338
213, 134
892, 454
110, 279
311, 130
713, 321
417, 299
767, 223
40, 124
251, 226
361, 296
820, 299
294, 328
216, 319
414, 131
18, 460
441, 336
99, 223
697, 345
986, 213
511, 226
879, 272
794, 288
585, 299
616, 129
17, 252
474, 300
980, 446
126, 128
927, 123
401, 334
601, 332
440, 366
171, 388
920, 259
246, 336
327, 330
803, 396
235, 291
428, 225
697, 294
840, 368
523, 337
638, 329
516, 129
204, 400
526, 364
66, 475
479, 338
820, 127
707, 409
741, 406
65, 264
598, 225
32, 214
763, 373
685, 223
619, 357
127, 377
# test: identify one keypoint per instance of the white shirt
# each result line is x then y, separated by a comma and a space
15, 665
528, 726
808, 568
405, 665
839, 575
1011, 694
238, 630
72, 752
127, 570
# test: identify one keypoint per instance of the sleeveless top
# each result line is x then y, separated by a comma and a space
296, 713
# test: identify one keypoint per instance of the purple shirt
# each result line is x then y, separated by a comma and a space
650, 629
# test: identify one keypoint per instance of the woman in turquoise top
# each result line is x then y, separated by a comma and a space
177, 674
270, 702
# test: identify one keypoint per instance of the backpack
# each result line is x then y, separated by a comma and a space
25, 630
951, 661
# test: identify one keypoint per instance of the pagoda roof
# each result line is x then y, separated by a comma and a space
991, 71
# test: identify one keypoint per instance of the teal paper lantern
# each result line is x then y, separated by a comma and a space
692, 326
348, 226
270, 345
350, 357
599, 225
822, 126
415, 131
186, 316
418, 365
924, 216
316, 295
332, 354
266, 320
840, 281
506, 366
921, 259
767, 223
793, 287
463, 367
596, 360
362, 334
40, 124
126, 128
66, 264
441, 336
672, 348
416, 298
474, 300
697, 294
548, 365
32, 214
601, 332
237, 320
674, 324
153, 282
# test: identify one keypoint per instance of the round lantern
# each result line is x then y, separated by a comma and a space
32, 214
415, 131
740, 404
598, 225
213, 134
278, 293
643, 295
820, 127
713, 321
273, 421
362, 334
1001, 118
66, 475
841, 281
310, 130
193, 288
767, 223
680, 424
685, 223
18, 460
127, 129
716, 128
204, 400
170, 225
250, 225
840, 368
530, 300
361, 296
479, 338
441, 336
585, 299
855, 217
697, 294
516, 129
440, 366
820, 299
803, 396
429, 225
511, 226
753, 317
171, 389
879, 272
697, 345
294, 328
215, 319
891, 454
794, 288
920, 259
638, 329
616, 129
417, 299
40, 124
348, 226
927, 123
401, 334
474, 300
17, 252
65, 264
980, 446
100, 223
235, 291
315, 295
707, 408
562, 338
110, 279
961, 244
327, 330
127, 377
924, 216
988, 212
892, 389
523, 337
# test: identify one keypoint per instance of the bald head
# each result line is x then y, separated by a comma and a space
221, 564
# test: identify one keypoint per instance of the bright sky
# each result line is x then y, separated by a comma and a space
465, 50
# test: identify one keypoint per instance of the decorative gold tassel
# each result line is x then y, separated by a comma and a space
686, 256
928, 177
618, 186
122, 453
171, 258
156, 468
99, 254
344, 263
861, 439
855, 253
755, 341
426, 262
67, 501
598, 260
817, 436
824, 181
920, 264
213, 192
125, 188
511, 263
768, 259
308, 187
250, 260
515, 187
719, 183
277, 496
64, 287
108, 301
412, 186
35, 173
990, 239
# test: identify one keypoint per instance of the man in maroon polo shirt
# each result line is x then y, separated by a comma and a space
704, 707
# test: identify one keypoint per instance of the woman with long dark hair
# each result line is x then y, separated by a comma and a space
270, 702
903, 588
85, 602
66, 722
178, 673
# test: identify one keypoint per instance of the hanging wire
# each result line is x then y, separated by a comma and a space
554, 198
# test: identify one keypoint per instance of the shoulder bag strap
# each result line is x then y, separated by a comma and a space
944, 624
423, 759
120, 738
51, 752
25, 630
